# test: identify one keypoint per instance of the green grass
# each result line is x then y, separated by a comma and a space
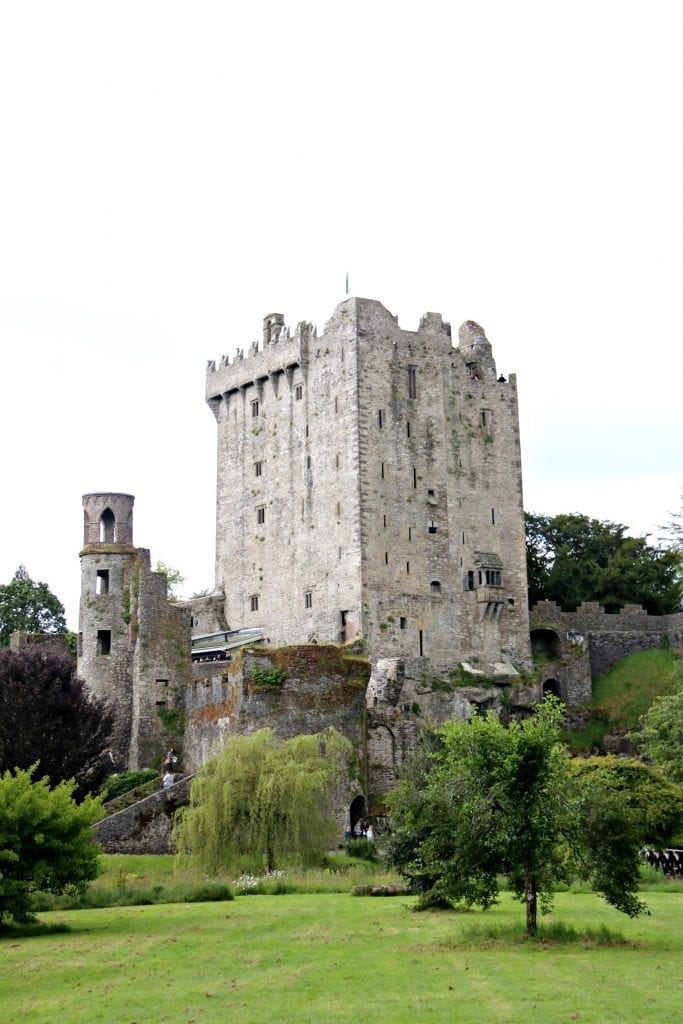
328, 959
625, 693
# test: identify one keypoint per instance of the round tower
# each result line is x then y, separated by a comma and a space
107, 609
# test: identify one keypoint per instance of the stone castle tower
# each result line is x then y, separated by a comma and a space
133, 646
369, 485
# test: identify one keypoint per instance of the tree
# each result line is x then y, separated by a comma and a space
47, 717
660, 735
174, 579
572, 558
264, 803
46, 842
490, 801
653, 803
29, 607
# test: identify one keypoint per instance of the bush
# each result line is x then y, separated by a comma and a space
362, 849
117, 785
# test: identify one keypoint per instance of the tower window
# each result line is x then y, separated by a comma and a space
108, 527
253, 602
308, 599
380, 419
104, 641
493, 516
410, 533
486, 417
408, 428
412, 382
258, 466
254, 408
308, 462
435, 587
261, 514
414, 478
432, 526
407, 568
469, 580
403, 622
337, 509
336, 404
386, 558
336, 461
298, 392
102, 581
382, 471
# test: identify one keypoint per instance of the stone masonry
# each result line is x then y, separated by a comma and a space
369, 485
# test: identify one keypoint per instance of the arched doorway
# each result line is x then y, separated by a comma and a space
552, 686
357, 812
545, 645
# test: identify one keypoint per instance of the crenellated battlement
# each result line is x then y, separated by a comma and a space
277, 352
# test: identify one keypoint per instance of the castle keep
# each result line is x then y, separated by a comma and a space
369, 486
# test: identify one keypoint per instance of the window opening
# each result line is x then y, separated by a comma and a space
470, 579
382, 471
336, 404
379, 419
408, 428
432, 526
407, 568
384, 519
412, 382
386, 558
336, 461
308, 599
102, 581
253, 602
414, 478
308, 462
421, 644
435, 587
104, 641
410, 533
254, 408
257, 468
338, 509
298, 392
261, 514
493, 516
402, 622
108, 527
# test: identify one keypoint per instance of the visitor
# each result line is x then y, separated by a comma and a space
168, 780
171, 760
370, 834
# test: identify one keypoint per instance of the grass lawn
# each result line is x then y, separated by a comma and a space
337, 958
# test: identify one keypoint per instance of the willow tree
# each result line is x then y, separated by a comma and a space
265, 803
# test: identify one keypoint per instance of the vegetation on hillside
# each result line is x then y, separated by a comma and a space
624, 694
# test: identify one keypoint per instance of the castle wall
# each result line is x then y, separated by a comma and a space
609, 637
354, 501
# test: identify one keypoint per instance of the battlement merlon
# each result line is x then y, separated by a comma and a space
280, 352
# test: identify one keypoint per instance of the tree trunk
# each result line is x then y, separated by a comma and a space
531, 905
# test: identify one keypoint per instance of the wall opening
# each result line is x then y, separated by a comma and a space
108, 527
435, 588
552, 686
102, 581
545, 644
104, 641
357, 812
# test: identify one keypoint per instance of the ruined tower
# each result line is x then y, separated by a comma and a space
369, 485
133, 646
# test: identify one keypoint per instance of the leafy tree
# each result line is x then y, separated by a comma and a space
264, 803
174, 579
29, 607
46, 841
572, 558
660, 735
48, 718
489, 800
672, 532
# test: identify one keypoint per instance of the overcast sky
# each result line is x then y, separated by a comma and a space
171, 172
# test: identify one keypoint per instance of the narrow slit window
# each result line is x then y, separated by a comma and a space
254, 408
384, 521
102, 581
412, 382
298, 392
421, 644
308, 599
403, 622
308, 462
493, 516
258, 467
337, 509
380, 418
382, 471
386, 558
415, 478
408, 428
469, 584
336, 404
407, 568
261, 514
253, 602
410, 533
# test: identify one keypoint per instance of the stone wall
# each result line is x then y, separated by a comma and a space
369, 483
145, 827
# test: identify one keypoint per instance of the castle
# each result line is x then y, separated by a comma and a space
369, 501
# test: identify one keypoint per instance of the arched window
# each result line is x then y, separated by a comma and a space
108, 527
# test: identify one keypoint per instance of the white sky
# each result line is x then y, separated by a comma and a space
171, 172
